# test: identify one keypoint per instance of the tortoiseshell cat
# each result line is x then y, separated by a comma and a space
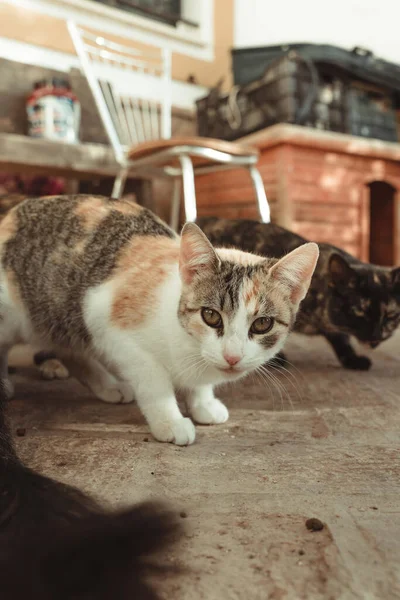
346, 297
136, 311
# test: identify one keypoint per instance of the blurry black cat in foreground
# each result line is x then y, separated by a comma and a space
57, 543
347, 298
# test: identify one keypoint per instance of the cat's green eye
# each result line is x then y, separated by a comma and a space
211, 317
262, 325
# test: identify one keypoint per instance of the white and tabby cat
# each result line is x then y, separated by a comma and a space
134, 311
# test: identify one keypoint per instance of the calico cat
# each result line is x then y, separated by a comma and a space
57, 543
135, 311
347, 298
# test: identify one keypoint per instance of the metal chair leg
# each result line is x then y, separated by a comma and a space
119, 184
189, 191
263, 206
176, 203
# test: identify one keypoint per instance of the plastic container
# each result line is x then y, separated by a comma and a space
53, 111
313, 86
290, 91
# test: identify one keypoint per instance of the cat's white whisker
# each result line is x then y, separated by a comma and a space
275, 381
278, 363
289, 377
193, 364
265, 381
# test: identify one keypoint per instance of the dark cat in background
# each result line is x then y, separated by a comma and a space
347, 298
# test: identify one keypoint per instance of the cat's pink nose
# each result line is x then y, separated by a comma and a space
232, 360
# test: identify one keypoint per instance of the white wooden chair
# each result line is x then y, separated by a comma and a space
132, 89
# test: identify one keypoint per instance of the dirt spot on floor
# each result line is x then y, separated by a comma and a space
319, 428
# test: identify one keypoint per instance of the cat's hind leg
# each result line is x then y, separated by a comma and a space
6, 382
50, 366
13, 329
105, 386
8, 337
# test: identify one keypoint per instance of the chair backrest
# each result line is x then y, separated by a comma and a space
131, 88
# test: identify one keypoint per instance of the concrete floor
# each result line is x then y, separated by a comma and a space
327, 448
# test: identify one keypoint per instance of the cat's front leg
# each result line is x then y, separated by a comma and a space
345, 352
204, 407
155, 396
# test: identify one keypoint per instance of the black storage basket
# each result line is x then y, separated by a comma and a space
290, 91
304, 84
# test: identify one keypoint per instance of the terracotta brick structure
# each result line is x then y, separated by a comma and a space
326, 186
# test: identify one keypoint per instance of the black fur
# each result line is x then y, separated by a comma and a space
58, 544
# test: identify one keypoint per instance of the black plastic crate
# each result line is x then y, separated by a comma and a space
290, 91
249, 64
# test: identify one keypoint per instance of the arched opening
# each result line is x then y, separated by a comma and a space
382, 236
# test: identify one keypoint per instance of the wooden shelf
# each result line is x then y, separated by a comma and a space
20, 153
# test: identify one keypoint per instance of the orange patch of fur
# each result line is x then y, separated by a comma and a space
142, 267
127, 207
8, 227
249, 293
256, 292
251, 290
91, 212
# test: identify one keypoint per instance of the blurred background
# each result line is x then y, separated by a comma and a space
315, 87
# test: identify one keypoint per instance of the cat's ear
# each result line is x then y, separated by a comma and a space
340, 271
197, 254
296, 269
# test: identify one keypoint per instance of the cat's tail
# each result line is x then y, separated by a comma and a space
57, 543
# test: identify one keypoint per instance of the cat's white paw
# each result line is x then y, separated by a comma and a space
53, 369
119, 393
181, 431
209, 412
